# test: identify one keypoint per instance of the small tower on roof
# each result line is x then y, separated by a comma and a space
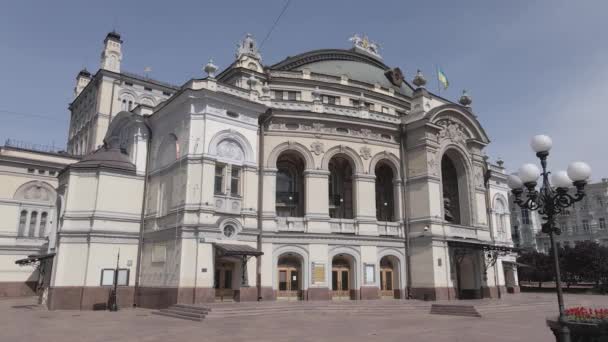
248, 47
111, 56
82, 80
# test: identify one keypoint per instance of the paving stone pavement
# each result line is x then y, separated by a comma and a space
518, 317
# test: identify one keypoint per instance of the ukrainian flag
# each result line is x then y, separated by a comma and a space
443, 79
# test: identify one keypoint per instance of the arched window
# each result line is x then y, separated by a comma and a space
43, 219
290, 185
341, 188
33, 221
451, 195
500, 218
385, 208
22, 222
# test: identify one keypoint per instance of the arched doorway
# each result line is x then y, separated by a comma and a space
289, 277
389, 277
290, 185
385, 200
342, 276
341, 187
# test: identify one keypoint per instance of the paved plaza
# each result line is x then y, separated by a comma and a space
515, 318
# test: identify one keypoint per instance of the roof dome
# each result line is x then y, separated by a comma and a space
104, 157
337, 62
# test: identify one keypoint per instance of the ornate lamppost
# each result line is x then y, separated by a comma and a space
550, 200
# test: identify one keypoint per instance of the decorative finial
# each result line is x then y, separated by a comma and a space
419, 80
210, 69
500, 162
465, 99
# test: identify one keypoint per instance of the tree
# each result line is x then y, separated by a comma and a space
539, 269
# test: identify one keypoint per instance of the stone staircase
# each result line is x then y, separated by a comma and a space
454, 310
183, 311
365, 307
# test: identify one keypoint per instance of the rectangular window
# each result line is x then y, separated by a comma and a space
107, 277
148, 88
586, 225
235, 178
602, 222
332, 100
385, 110
52, 173
31, 170
219, 179
129, 84
166, 93
294, 96
354, 103
278, 95
40, 172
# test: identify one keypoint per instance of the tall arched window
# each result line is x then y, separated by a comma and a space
43, 219
385, 207
451, 195
290, 185
33, 221
340, 188
22, 222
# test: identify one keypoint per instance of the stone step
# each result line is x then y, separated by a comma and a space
192, 308
169, 314
187, 313
454, 310
316, 308
314, 312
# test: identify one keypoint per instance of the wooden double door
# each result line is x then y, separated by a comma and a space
289, 282
340, 282
223, 282
387, 282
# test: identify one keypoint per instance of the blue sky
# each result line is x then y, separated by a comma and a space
531, 66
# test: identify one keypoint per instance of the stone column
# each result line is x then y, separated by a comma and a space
365, 204
316, 194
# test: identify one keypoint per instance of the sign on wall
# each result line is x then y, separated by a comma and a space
318, 273
370, 273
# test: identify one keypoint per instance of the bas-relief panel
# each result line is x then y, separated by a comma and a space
318, 129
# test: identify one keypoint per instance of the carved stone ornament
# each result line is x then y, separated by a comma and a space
478, 177
365, 152
451, 131
37, 193
317, 147
432, 164
231, 150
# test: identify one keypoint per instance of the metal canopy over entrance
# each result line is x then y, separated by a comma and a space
236, 250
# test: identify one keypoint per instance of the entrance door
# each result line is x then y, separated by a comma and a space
386, 283
223, 283
340, 282
289, 283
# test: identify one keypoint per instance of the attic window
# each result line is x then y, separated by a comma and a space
166, 93
129, 84
232, 114
148, 88
386, 136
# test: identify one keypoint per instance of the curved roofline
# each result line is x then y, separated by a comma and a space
465, 112
313, 56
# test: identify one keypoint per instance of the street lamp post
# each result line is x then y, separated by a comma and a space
550, 200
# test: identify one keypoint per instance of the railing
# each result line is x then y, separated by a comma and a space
344, 226
31, 146
287, 198
389, 228
291, 224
